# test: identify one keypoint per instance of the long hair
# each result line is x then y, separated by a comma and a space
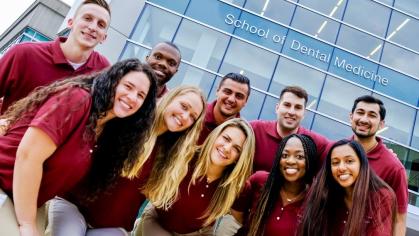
234, 176
174, 153
270, 192
120, 139
326, 194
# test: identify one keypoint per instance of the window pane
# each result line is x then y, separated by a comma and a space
332, 8
415, 138
401, 59
278, 10
412, 166
257, 64
357, 11
177, 6
360, 43
331, 129
404, 30
316, 25
408, 6
201, 45
155, 26
338, 97
134, 51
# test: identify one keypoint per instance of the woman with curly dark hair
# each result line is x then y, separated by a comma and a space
92, 124
348, 198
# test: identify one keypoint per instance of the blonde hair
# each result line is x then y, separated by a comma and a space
234, 176
171, 167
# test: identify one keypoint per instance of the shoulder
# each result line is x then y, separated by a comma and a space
99, 60
27, 48
315, 136
390, 158
259, 177
261, 124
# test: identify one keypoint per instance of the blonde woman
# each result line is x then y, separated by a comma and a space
211, 183
175, 131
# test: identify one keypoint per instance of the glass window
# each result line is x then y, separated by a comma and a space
331, 129
307, 49
408, 6
25, 39
399, 86
134, 51
399, 126
354, 68
255, 63
338, 97
400, 59
367, 15
177, 6
315, 24
200, 45
400, 151
359, 42
278, 10
415, 137
404, 30
332, 8
236, 2
30, 31
292, 73
412, 167
155, 26
214, 13
261, 31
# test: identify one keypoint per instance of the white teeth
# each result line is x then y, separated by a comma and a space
221, 154
159, 73
344, 177
177, 121
290, 171
126, 104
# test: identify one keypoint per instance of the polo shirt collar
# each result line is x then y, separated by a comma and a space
271, 130
209, 114
163, 92
59, 58
372, 153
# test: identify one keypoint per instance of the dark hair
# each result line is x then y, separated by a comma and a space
237, 78
371, 99
297, 91
270, 192
101, 3
171, 45
326, 195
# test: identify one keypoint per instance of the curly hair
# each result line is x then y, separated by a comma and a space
121, 139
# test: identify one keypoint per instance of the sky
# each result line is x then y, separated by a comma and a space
10, 10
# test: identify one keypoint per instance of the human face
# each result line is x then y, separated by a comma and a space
290, 112
365, 120
182, 112
293, 162
345, 166
89, 25
231, 97
165, 60
130, 94
227, 147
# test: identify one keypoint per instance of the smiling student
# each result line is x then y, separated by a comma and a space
59, 133
348, 198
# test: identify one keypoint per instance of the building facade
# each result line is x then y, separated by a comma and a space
336, 49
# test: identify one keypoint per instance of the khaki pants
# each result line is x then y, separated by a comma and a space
8, 221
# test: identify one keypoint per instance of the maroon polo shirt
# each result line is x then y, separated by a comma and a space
184, 215
378, 222
268, 139
388, 167
209, 122
281, 221
27, 66
163, 92
117, 207
66, 127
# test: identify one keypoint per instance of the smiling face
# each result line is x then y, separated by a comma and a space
227, 147
290, 112
345, 166
182, 112
231, 97
89, 25
130, 94
293, 162
165, 61
365, 120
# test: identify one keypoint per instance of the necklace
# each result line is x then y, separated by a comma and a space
292, 199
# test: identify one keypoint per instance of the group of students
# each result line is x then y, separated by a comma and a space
81, 155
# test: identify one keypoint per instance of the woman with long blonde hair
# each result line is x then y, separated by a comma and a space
212, 181
176, 128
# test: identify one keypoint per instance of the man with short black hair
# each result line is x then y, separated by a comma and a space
367, 117
232, 94
27, 66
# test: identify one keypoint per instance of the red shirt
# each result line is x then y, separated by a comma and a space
27, 66
281, 221
184, 215
388, 167
163, 92
66, 127
378, 222
209, 122
117, 207
268, 139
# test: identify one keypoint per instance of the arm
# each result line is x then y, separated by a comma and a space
400, 225
230, 223
35, 147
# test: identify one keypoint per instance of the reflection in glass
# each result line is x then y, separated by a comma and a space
408, 6
253, 62
278, 10
332, 8
404, 30
134, 51
331, 129
412, 167
177, 6
200, 45
415, 137
155, 26
400, 59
